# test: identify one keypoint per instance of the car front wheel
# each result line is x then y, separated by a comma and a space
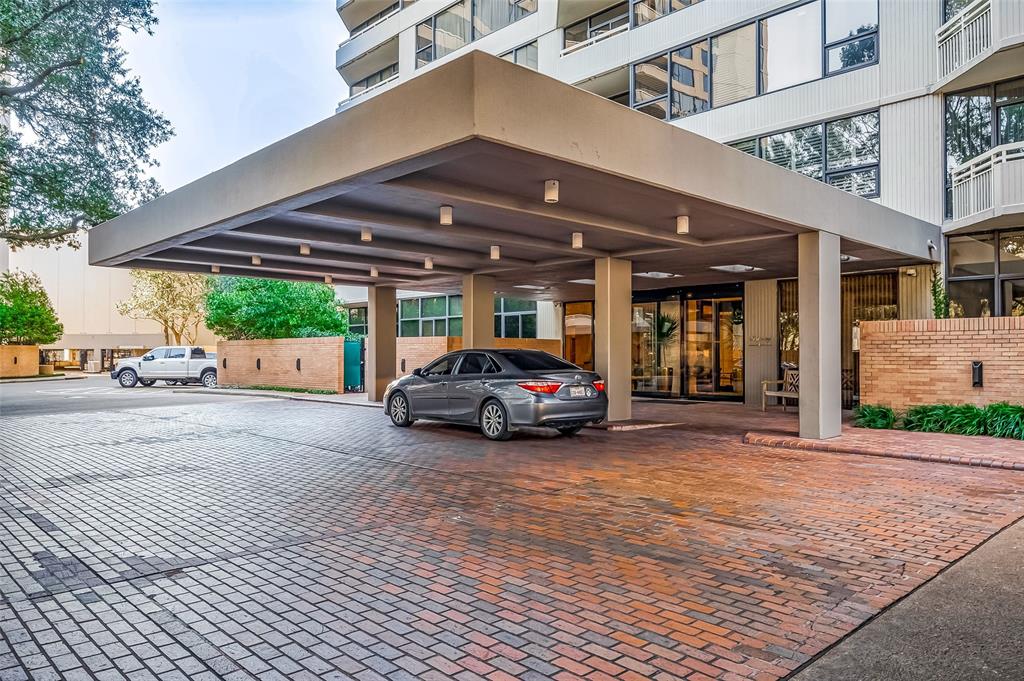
127, 378
209, 379
398, 410
494, 421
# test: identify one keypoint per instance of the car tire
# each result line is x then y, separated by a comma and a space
494, 421
170, 383
569, 431
147, 382
127, 379
398, 410
208, 379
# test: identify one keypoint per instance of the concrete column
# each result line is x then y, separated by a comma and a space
820, 365
613, 301
477, 311
381, 320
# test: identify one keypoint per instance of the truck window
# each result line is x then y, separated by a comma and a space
175, 353
157, 353
198, 353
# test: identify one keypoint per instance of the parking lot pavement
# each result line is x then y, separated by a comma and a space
280, 540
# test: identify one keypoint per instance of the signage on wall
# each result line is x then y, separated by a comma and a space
760, 341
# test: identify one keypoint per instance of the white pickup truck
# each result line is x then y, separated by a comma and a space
172, 364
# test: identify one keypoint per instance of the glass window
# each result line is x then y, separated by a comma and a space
860, 182
452, 29
157, 353
1013, 297
511, 329
746, 146
528, 326
441, 367
853, 53
518, 305
853, 141
410, 327
1011, 253
455, 326
798, 150
658, 109
734, 58
953, 7
409, 308
535, 360
472, 363
849, 18
425, 43
650, 79
1010, 107
971, 298
968, 126
971, 256
597, 25
491, 15
645, 11
455, 305
175, 353
433, 307
790, 44
691, 81
198, 353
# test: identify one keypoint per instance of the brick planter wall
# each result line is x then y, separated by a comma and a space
928, 361
322, 363
19, 361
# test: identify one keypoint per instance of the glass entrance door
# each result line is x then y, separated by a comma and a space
655, 348
714, 347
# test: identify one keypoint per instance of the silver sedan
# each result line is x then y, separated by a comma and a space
499, 391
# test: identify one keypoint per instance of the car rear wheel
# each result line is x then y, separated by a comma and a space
494, 421
209, 379
398, 410
569, 431
127, 378
170, 383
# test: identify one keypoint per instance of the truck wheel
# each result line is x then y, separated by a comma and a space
209, 379
127, 378
147, 381
170, 383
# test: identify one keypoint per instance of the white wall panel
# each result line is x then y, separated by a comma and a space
912, 157
907, 50
760, 337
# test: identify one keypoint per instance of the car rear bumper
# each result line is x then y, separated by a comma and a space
550, 411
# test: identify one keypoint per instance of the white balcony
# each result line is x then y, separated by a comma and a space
988, 191
604, 35
981, 44
357, 97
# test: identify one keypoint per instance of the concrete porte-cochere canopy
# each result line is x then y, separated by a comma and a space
442, 184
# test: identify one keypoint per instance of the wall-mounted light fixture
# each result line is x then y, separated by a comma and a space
977, 374
682, 224
428, 263
374, 272
446, 215
495, 252
551, 191
577, 240
257, 260
303, 249
215, 269
328, 279
366, 234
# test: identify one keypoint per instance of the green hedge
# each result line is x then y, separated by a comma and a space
998, 420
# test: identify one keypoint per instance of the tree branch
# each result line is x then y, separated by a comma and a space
15, 90
42, 20
15, 236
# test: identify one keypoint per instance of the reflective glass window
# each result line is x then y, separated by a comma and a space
849, 18
971, 255
650, 79
691, 81
798, 150
1011, 253
790, 47
968, 126
853, 141
734, 59
971, 298
452, 29
853, 53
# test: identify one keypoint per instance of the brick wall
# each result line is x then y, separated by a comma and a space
418, 351
928, 361
322, 363
19, 361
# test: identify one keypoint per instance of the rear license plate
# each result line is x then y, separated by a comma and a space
577, 391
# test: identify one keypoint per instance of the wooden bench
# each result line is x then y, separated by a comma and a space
790, 389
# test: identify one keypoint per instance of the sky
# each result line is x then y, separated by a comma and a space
233, 76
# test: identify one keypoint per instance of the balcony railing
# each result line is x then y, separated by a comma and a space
595, 39
362, 93
989, 181
964, 37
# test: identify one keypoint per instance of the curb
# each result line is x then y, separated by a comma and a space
298, 397
819, 446
43, 379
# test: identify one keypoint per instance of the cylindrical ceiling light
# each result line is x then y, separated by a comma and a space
374, 272
428, 263
303, 249
682, 224
257, 260
551, 191
446, 215
495, 252
366, 234
328, 279
577, 240
215, 269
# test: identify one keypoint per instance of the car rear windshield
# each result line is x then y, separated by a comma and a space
532, 360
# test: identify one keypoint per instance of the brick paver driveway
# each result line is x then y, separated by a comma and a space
280, 540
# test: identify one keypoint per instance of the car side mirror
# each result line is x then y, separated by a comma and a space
417, 371
147, 358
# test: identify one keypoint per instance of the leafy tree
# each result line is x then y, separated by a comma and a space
239, 308
176, 300
940, 299
88, 130
26, 314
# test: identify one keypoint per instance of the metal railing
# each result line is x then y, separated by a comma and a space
964, 37
978, 183
374, 21
596, 39
373, 87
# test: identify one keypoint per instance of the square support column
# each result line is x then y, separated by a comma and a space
380, 340
820, 364
477, 311
613, 302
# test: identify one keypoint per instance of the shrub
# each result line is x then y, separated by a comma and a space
874, 416
1005, 420
964, 419
926, 418
26, 313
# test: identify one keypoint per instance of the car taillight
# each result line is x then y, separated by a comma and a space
599, 385
545, 387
